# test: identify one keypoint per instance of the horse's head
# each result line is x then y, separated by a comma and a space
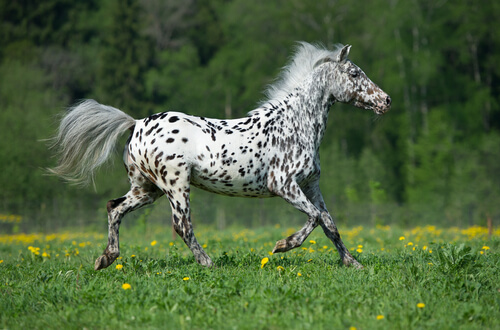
353, 86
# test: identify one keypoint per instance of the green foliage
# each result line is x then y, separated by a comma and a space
433, 157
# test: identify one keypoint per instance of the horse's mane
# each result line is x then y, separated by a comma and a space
301, 63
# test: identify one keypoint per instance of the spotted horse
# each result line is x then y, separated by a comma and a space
274, 151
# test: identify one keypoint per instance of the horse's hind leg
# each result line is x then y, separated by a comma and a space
178, 195
142, 192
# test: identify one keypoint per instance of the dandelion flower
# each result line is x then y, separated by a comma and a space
380, 317
485, 248
420, 305
482, 252
360, 246
352, 328
280, 268
312, 241
410, 243
299, 274
171, 244
1, 261
204, 246
153, 243
263, 262
309, 260
359, 250
185, 278
45, 254
424, 248
126, 286
119, 266
270, 253
402, 238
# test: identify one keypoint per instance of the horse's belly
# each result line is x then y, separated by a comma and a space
231, 183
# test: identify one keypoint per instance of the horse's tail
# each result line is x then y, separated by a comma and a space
86, 138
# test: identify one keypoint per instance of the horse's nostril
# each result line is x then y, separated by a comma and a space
388, 100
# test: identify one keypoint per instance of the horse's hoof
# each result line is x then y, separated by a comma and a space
353, 263
280, 246
101, 262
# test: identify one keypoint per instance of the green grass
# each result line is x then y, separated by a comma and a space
48, 281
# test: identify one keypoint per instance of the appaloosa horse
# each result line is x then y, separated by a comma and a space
274, 151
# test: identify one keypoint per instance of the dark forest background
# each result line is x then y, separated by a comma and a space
433, 159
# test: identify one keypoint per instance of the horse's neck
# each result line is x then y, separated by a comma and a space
308, 110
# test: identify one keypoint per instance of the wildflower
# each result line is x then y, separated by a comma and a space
185, 278
126, 286
410, 243
312, 241
153, 243
352, 328
204, 246
380, 317
402, 238
270, 253
171, 244
420, 305
252, 250
82, 244
280, 268
360, 246
119, 266
485, 248
309, 260
359, 250
482, 252
132, 256
1, 261
325, 247
424, 248
46, 255
299, 274
263, 262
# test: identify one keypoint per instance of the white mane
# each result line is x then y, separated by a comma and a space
300, 65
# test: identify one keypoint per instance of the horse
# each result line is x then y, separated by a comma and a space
273, 151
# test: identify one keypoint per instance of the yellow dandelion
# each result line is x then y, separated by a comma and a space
309, 260
171, 244
252, 250
126, 286
352, 328
424, 248
380, 317
482, 252
410, 243
270, 253
280, 268
153, 243
485, 248
312, 241
1, 261
185, 278
82, 244
45, 254
325, 247
402, 238
299, 274
359, 250
204, 246
119, 266
360, 246
263, 262
420, 305
132, 256
430, 251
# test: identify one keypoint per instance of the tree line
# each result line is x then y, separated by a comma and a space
434, 158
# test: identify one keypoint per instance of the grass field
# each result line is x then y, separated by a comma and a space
421, 278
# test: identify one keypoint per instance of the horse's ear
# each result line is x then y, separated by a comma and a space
344, 52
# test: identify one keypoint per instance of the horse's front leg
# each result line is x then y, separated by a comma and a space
293, 194
329, 228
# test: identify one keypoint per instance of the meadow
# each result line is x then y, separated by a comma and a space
425, 277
